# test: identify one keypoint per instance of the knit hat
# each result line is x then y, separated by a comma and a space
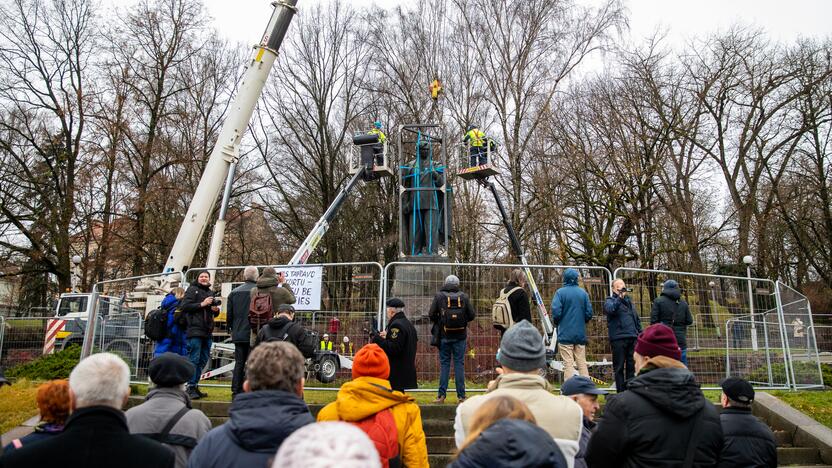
522, 348
327, 444
371, 361
285, 308
170, 370
658, 340
451, 280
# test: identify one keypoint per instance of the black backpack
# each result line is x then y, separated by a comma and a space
453, 313
156, 325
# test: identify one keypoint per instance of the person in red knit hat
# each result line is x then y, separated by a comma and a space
391, 418
662, 419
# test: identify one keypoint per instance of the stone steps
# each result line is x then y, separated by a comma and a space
437, 422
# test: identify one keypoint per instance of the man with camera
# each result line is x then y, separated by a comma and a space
624, 326
200, 306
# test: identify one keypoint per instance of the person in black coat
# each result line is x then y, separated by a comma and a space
670, 309
239, 300
748, 442
660, 417
519, 299
284, 328
450, 313
96, 433
511, 443
623, 326
199, 315
398, 341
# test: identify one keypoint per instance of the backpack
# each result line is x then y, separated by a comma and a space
260, 309
381, 429
307, 345
453, 313
156, 325
501, 310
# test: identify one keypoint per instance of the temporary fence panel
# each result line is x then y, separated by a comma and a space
768, 365
801, 340
26, 339
821, 334
120, 307
339, 300
714, 300
416, 283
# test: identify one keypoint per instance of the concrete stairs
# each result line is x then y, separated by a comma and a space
437, 421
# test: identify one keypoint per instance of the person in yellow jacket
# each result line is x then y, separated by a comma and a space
476, 140
378, 149
369, 393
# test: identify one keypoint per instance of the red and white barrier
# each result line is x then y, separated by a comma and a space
52, 328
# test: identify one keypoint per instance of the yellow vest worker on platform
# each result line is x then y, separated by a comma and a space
476, 145
378, 149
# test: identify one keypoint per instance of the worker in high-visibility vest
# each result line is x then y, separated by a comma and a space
435, 89
326, 345
346, 347
378, 149
476, 140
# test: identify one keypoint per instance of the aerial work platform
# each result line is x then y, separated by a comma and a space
368, 152
474, 163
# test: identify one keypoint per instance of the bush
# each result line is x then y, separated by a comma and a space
52, 366
805, 373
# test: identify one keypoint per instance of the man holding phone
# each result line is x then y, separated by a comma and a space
624, 326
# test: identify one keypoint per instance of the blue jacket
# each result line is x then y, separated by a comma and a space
571, 310
258, 423
176, 342
622, 320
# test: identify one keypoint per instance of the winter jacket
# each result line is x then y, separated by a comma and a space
400, 347
650, 424
161, 404
280, 294
258, 423
586, 433
674, 312
571, 310
176, 341
239, 300
365, 396
42, 431
440, 301
519, 302
558, 415
281, 328
510, 443
748, 442
200, 319
93, 437
622, 320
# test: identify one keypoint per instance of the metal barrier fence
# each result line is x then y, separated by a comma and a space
714, 300
347, 306
800, 340
416, 283
767, 365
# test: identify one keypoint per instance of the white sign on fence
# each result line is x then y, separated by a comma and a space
306, 284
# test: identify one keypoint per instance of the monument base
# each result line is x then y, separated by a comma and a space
416, 285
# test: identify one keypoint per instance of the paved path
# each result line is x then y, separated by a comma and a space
24, 429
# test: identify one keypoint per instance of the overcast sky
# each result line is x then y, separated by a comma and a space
244, 20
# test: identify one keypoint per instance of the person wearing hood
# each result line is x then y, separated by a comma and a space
450, 313
662, 420
368, 401
176, 340
260, 419
571, 311
670, 309
275, 284
166, 414
198, 306
239, 300
284, 328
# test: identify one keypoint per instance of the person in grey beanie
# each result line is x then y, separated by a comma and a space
166, 414
522, 355
450, 313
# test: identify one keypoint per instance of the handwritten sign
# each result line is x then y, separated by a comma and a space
306, 284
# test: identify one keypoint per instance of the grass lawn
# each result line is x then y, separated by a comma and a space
17, 404
816, 404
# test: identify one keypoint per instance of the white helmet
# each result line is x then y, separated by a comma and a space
326, 335
346, 339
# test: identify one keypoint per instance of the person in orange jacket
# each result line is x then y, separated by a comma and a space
368, 402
